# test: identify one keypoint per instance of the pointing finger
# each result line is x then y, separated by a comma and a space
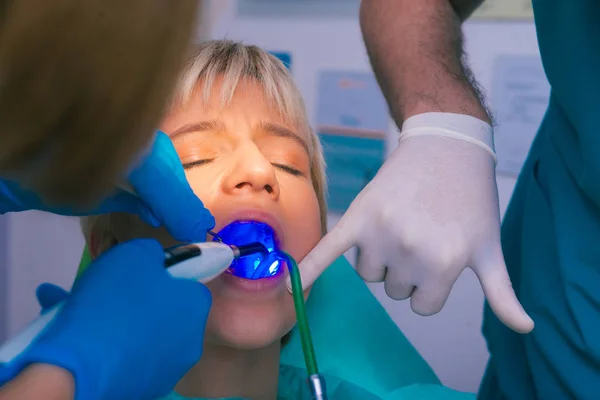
331, 247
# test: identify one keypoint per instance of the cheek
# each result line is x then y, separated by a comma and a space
128, 227
204, 181
303, 222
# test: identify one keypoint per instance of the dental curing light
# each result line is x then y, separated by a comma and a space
251, 266
200, 262
259, 265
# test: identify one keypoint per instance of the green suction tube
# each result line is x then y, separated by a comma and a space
298, 294
86, 260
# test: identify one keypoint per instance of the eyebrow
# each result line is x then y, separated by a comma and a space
283, 132
203, 126
218, 125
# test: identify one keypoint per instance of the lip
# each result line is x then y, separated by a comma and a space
256, 286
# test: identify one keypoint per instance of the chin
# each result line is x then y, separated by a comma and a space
249, 326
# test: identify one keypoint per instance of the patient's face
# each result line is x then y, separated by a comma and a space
245, 163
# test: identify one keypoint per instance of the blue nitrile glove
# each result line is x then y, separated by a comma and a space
165, 196
127, 330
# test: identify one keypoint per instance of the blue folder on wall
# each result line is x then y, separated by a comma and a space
352, 122
285, 57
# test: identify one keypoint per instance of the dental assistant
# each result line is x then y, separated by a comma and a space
70, 120
432, 210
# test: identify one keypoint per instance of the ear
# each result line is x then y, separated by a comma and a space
101, 240
126, 227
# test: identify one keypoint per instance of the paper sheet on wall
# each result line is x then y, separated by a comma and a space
352, 122
505, 9
520, 95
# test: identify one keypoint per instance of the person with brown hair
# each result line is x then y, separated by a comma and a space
84, 85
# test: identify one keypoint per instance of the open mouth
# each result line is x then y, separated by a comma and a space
254, 266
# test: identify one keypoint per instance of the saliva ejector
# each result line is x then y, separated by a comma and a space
260, 265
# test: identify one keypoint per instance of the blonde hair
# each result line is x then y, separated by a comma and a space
84, 82
233, 62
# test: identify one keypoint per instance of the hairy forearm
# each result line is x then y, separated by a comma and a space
40, 381
415, 48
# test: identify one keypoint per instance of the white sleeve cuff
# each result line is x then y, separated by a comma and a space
457, 126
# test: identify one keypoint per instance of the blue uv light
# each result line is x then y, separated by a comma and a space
253, 266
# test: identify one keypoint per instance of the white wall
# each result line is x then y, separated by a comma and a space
40, 248
3, 277
37, 247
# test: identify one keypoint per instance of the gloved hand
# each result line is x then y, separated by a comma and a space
128, 330
430, 212
165, 196
49, 295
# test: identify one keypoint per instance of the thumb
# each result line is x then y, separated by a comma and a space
501, 296
179, 209
49, 295
161, 183
331, 247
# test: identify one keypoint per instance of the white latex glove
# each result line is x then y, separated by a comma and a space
430, 212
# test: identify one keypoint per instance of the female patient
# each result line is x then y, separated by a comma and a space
240, 128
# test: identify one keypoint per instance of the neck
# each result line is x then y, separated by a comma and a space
227, 372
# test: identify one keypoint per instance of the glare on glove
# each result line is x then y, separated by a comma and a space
430, 212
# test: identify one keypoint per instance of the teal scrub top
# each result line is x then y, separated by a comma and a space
292, 386
551, 230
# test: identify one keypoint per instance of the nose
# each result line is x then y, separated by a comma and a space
251, 173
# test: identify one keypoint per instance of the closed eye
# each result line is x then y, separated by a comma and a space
289, 170
193, 164
285, 168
